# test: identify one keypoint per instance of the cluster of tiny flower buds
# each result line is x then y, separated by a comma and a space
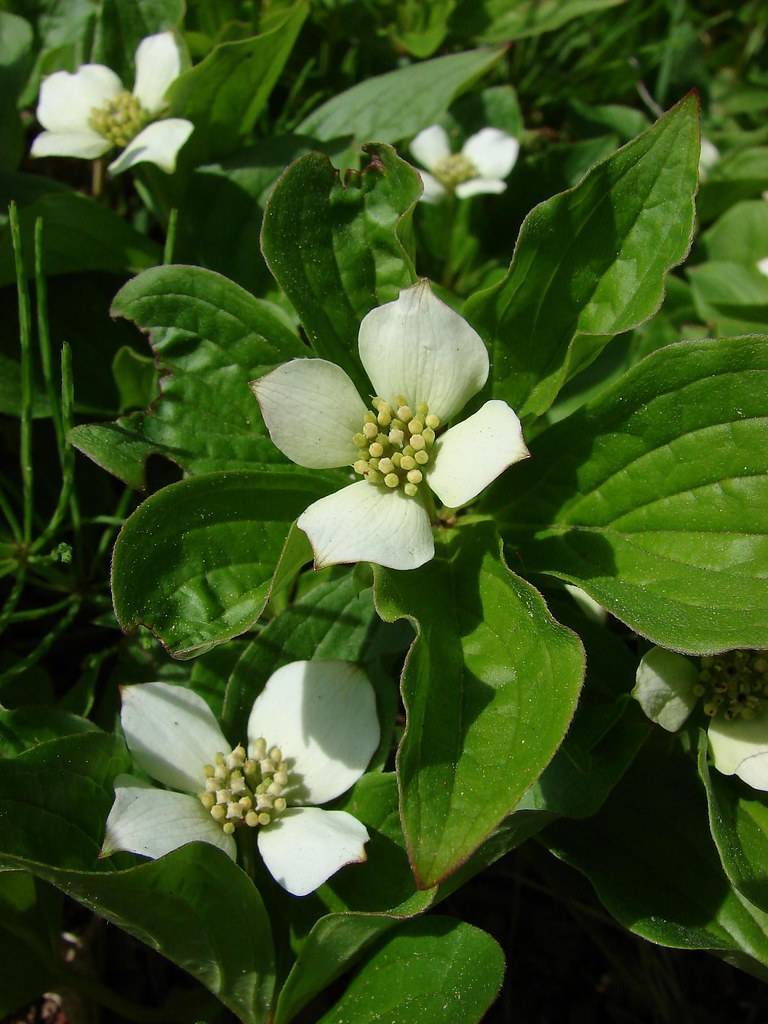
733, 684
395, 444
453, 170
120, 119
242, 790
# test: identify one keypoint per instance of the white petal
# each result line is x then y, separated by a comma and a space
158, 63
158, 143
152, 822
420, 348
306, 845
474, 452
492, 151
312, 410
171, 733
322, 716
664, 687
740, 747
431, 146
367, 523
480, 186
433, 190
762, 266
67, 100
87, 145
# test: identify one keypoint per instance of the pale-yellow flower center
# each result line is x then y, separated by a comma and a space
396, 443
454, 170
241, 790
120, 119
734, 684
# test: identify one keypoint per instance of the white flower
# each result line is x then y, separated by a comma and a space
486, 158
762, 266
733, 688
425, 363
311, 733
90, 112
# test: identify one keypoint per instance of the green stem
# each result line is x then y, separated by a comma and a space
116, 522
170, 236
67, 456
10, 517
460, 253
44, 337
45, 644
246, 848
25, 337
8, 609
97, 178
429, 505
33, 614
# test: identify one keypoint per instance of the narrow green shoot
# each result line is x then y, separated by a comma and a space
25, 337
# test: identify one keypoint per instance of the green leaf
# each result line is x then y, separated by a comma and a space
394, 106
27, 919
497, 21
334, 943
225, 93
653, 498
742, 174
223, 207
625, 121
496, 106
738, 819
489, 687
194, 906
122, 24
422, 28
607, 730
730, 298
78, 308
740, 235
80, 234
337, 248
210, 338
590, 263
195, 562
431, 969
22, 728
64, 32
366, 902
384, 885
15, 56
334, 620
651, 859
136, 378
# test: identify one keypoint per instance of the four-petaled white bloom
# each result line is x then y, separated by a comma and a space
733, 688
311, 733
486, 158
90, 112
425, 363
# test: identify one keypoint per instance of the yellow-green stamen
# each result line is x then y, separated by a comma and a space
398, 459
248, 791
454, 170
120, 119
734, 684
